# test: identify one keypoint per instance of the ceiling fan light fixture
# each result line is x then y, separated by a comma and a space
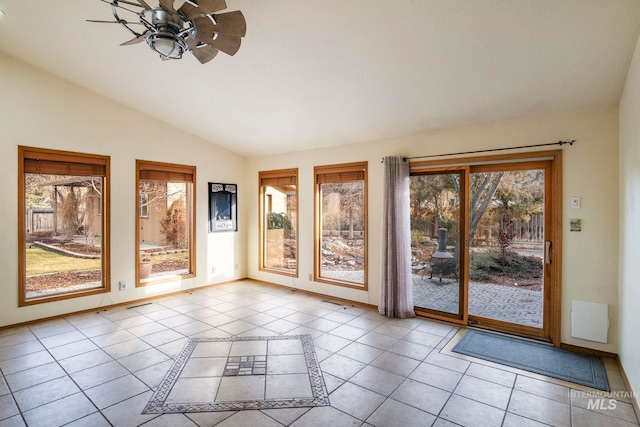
167, 45
194, 27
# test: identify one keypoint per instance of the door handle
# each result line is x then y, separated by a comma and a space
547, 248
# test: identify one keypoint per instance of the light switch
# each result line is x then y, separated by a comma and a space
575, 203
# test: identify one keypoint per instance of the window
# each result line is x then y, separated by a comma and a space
63, 238
143, 205
341, 224
166, 236
279, 221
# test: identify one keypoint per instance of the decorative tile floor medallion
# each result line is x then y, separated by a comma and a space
236, 373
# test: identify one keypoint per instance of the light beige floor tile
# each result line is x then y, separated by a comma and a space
280, 326
116, 391
341, 367
448, 362
463, 411
287, 364
409, 349
247, 387
360, 352
153, 375
236, 327
381, 341
538, 408
355, 400
143, 359
249, 418
35, 376
211, 349
349, 332
73, 349
279, 347
171, 420
126, 348
23, 363
583, 418
484, 391
543, 388
8, 407
248, 348
209, 419
200, 390
128, 413
392, 413
94, 420
20, 349
60, 412
377, 380
157, 339
285, 416
395, 363
488, 373
204, 367
422, 396
288, 386
513, 420
326, 416
436, 376
100, 374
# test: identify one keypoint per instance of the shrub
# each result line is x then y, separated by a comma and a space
486, 265
277, 221
174, 224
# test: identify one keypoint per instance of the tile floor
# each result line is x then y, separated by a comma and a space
104, 368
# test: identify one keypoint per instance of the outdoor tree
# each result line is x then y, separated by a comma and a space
350, 199
174, 225
483, 187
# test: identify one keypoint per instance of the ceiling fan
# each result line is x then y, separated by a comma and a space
195, 26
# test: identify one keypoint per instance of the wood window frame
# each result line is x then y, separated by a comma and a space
146, 169
268, 178
337, 173
39, 160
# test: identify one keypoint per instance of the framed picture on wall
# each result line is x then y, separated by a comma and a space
223, 209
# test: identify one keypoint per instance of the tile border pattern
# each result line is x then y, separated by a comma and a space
157, 404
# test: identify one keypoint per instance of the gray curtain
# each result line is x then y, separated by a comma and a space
396, 292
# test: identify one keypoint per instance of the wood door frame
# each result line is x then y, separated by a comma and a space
552, 313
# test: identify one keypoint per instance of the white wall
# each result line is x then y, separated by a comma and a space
40, 110
630, 224
590, 265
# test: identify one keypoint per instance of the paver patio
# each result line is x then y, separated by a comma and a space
510, 304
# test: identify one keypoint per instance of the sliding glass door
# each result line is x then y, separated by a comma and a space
484, 241
437, 213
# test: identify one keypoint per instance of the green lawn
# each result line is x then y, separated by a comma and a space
40, 261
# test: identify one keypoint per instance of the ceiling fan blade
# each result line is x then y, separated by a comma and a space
122, 21
135, 40
204, 53
144, 4
227, 44
211, 6
231, 23
204, 7
167, 5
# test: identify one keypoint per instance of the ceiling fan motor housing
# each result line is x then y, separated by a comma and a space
166, 40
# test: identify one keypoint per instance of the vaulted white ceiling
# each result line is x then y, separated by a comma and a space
318, 73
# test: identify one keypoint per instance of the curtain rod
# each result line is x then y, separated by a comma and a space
561, 143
